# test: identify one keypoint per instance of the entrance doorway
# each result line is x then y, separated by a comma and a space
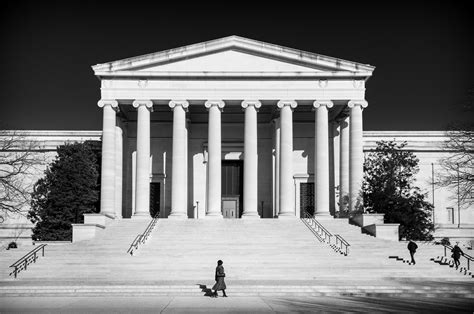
306, 198
154, 198
232, 188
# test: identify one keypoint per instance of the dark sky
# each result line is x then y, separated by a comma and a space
423, 52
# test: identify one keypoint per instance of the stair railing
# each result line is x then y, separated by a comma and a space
468, 257
342, 245
321, 233
141, 238
22, 263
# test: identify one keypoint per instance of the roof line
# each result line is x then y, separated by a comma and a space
231, 42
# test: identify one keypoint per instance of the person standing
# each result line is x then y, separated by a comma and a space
457, 252
412, 249
219, 277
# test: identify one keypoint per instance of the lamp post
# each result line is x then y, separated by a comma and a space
459, 209
433, 192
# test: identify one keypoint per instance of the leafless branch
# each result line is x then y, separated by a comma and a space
19, 162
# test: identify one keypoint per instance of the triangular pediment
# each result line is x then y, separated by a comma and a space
229, 61
231, 55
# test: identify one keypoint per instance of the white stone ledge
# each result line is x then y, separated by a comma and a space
363, 220
82, 232
101, 219
383, 231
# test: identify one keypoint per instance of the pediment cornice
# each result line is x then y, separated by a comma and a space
326, 66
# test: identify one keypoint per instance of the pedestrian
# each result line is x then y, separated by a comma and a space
457, 252
412, 249
220, 283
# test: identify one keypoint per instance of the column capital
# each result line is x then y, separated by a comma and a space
219, 103
319, 103
182, 103
143, 102
290, 103
108, 102
257, 104
362, 103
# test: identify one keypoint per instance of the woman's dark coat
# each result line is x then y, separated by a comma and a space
457, 252
220, 284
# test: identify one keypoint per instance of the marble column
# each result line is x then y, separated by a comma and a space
214, 162
277, 167
142, 186
287, 206
186, 168
118, 171
179, 165
107, 186
321, 158
344, 165
250, 159
356, 154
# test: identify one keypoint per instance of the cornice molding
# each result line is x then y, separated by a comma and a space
237, 43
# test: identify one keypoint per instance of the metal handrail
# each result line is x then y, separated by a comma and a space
141, 238
468, 257
134, 245
22, 263
322, 232
324, 235
342, 244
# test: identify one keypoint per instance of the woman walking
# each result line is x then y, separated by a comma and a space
457, 252
220, 283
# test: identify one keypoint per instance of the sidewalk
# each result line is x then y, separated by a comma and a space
136, 304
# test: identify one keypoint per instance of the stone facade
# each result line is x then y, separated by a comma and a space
280, 116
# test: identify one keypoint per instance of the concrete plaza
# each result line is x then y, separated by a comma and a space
256, 304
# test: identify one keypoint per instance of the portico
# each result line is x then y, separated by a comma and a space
171, 118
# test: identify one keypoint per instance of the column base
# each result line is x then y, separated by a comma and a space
144, 216
323, 216
287, 216
214, 216
250, 216
180, 216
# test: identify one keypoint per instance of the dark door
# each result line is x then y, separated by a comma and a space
307, 198
232, 184
154, 198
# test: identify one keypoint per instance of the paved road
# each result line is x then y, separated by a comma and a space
169, 304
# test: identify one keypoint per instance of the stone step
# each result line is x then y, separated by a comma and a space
236, 290
177, 249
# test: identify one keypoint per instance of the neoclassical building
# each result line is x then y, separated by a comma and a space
232, 128
237, 128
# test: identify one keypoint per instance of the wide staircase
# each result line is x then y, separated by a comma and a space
261, 257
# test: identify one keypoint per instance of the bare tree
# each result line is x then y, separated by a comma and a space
19, 161
458, 166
